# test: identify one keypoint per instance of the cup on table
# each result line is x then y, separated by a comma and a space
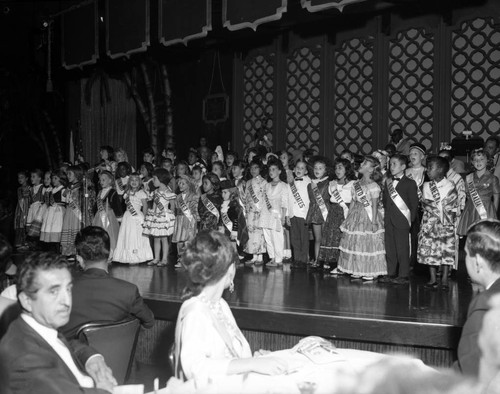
129, 389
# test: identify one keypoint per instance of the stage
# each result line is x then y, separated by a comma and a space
276, 307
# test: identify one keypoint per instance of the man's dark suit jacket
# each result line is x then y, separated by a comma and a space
468, 349
97, 296
407, 189
34, 367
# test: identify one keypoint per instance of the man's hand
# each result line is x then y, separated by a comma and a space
98, 370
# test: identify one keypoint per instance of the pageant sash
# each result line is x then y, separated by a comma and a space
227, 222
252, 194
419, 192
437, 199
363, 199
268, 203
158, 202
296, 195
210, 206
478, 203
121, 187
398, 201
185, 209
72, 204
339, 200
319, 200
129, 205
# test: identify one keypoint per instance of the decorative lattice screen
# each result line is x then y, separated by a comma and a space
303, 99
411, 85
353, 121
475, 72
258, 95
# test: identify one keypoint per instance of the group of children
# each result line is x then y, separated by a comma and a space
368, 220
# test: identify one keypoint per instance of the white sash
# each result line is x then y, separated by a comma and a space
478, 203
185, 209
129, 205
437, 199
227, 222
252, 194
338, 198
363, 199
268, 203
210, 206
419, 192
398, 201
296, 195
319, 200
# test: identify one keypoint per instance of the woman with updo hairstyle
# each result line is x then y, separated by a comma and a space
208, 341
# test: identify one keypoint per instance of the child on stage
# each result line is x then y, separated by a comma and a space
275, 211
319, 205
36, 201
54, 216
436, 241
254, 200
72, 222
186, 214
482, 193
400, 200
132, 246
108, 207
159, 221
340, 192
21, 214
299, 234
36, 225
210, 203
362, 251
232, 217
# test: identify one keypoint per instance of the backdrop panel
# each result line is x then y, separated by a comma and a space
237, 14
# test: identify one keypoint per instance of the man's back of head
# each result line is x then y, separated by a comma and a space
93, 247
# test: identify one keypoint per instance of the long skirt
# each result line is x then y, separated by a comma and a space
71, 226
52, 224
256, 243
330, 238
107, 220
362, 251
132, 246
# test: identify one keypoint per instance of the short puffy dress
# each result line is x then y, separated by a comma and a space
486, 187
108, 209
72, 222
209, 211
21, 214
436, 240
362, 251
132, 246
186, 217
254, 199
330, 238
54, 216
159, 221
35, 226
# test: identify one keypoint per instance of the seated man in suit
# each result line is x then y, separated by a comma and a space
37, 357
482, 260
97, 296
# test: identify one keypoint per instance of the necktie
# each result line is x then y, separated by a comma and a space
396, 179
298, 179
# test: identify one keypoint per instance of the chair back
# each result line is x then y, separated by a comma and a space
115, 341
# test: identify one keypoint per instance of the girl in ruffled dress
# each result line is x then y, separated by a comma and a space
36, 225
319, 204
210, 202
186, 213
132, 246
54, 216
21, 214
159, 221
362, 250
108, 207
483, 192
36, 201
254, 200
72, 222
340, 198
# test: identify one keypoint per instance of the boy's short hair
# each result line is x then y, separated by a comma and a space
92, 244
483, 238
403, 159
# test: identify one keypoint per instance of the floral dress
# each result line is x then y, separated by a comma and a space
254, 199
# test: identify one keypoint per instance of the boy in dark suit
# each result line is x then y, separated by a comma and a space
400, 200
97, 296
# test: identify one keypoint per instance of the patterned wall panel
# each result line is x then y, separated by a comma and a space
353, 120
411, 84
303, 98
475, 72
258, 95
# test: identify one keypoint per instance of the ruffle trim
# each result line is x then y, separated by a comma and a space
344, 230
356, 253
351, 272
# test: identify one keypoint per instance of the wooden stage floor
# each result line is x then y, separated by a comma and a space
300, 303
